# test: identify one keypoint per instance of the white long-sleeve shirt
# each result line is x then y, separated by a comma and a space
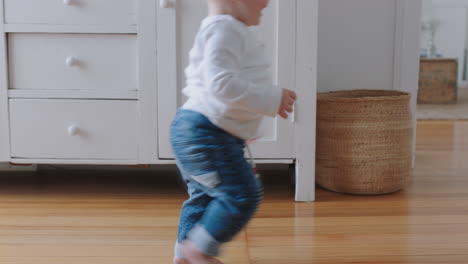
228, 77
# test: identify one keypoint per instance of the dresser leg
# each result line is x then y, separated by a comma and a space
305, 181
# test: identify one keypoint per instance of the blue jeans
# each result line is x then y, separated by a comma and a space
224, 192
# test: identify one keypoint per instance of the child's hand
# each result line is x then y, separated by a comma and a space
287, 101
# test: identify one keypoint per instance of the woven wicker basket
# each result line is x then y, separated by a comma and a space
364, 141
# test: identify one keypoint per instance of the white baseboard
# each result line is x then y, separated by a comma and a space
6, 166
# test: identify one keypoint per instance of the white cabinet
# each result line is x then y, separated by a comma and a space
99, 81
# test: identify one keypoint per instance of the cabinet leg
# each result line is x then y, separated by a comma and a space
292, 173
305, 181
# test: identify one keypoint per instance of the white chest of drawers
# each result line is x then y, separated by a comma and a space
99, 81
81, 81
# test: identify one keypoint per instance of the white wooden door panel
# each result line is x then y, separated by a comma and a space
177, 27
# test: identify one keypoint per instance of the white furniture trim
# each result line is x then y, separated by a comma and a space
71, 28
167, 67
406, 63
127, 162
306, 86
148, 127
77, 94
4, 129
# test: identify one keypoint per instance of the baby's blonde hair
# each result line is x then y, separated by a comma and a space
236, 8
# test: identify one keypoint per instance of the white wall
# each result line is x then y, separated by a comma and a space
356, 44
369, 44
466, 41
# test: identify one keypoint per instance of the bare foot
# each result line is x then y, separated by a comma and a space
180, 261
194, 256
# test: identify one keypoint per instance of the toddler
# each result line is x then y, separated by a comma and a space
229, 89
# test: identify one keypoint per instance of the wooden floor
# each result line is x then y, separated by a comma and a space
73, 218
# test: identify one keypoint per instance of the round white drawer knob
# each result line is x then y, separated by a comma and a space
71, 61
68, 2
73, 130
164, 3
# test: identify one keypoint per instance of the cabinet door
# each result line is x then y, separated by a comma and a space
178, 22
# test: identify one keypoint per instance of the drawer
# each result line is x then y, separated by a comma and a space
71, 12
72, 61
73, 129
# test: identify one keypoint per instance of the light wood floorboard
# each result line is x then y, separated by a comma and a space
65, 217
